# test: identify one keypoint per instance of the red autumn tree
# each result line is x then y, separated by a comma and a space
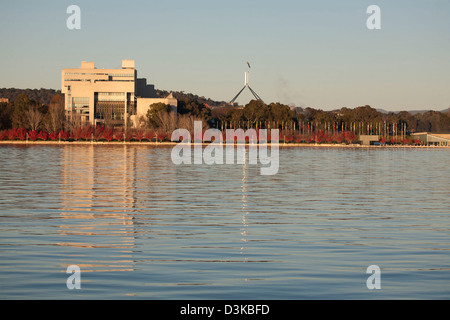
33, 134
349, 136
63, 135
108, 134
53, 136
139, 135
42, 135
149, 135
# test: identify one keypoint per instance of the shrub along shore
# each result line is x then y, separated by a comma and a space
103, 135
171, 144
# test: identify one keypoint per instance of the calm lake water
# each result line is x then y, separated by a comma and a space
140, 227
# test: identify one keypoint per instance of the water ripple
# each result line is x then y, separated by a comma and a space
141, 227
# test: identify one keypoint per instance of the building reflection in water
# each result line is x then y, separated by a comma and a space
98, 199
115, 198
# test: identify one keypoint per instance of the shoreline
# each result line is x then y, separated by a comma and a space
169, 143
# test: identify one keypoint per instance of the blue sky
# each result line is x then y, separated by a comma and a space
316, 54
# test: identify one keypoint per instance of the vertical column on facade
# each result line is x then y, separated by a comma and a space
125, 112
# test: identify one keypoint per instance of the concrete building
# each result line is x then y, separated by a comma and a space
143, 104
432, 139
367, 140
108, 95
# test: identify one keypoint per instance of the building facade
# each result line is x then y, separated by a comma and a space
367, 140
432, 139
110, 96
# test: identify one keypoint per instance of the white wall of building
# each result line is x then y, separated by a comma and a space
80, 85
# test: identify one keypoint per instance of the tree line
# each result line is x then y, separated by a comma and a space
256, 114
31, 114
42, 95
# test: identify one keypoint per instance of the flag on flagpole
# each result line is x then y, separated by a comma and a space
248, 64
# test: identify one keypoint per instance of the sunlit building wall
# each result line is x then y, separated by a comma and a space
95, 96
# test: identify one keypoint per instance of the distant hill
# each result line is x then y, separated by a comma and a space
419, 111
423, 111
42, 95
413, 112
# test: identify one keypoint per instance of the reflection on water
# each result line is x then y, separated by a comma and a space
140, 227
97, 204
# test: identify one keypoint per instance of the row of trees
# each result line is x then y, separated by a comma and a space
256, 114
361, 120
102, 133
42, 95
85, 133
33, 115
305, 124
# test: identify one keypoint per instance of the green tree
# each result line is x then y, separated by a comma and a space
19, 115
280, 113
255, 111
236, 116
156, 112
407, 118
433, 121
365, 114
194, 108
310, 114
6, 110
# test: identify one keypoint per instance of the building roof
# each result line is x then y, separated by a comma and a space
445, 136
439, 135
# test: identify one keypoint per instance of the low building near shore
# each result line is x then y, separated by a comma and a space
432, 139
143, 104
367, 140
